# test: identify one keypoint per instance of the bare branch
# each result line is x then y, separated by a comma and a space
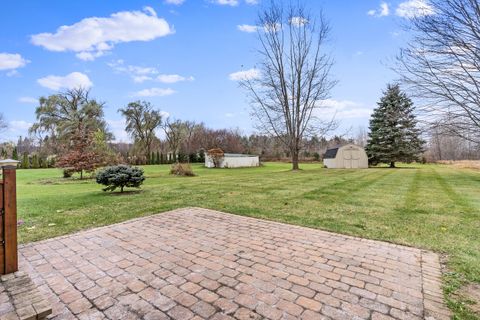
294, 76
441, 67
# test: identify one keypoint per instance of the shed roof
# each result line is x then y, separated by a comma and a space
331, 153
238, 155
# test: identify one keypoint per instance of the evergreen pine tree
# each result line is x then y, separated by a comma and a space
35, 162
393, 135
157, 160
201, 156
46, 163
15, 154
25, 161
193, 157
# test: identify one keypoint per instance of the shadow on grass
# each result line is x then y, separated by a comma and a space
396, 168
124, 193
61, 181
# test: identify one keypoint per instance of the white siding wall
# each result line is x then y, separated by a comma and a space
330, 163
234, 162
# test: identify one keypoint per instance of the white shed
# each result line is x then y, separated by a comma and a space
349, 156
233, 160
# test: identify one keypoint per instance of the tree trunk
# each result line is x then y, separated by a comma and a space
121, 189
295, 160
81, 174
392, 164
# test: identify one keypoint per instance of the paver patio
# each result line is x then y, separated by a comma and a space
200, 264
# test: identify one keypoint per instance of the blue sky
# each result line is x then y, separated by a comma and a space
180, 56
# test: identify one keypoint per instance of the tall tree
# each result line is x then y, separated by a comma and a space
105, 155
190, 127
142, 120
394, 135
441, 65
15, 154
175, 133
293, 75
25, 161
80, 157
64, 115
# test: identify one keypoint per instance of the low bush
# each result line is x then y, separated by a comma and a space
120, 176
182, 169
67, 173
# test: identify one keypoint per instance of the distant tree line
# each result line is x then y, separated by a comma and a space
70, 132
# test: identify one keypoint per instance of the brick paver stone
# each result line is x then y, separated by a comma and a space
195, 263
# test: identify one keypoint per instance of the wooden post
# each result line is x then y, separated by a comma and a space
10, 219
2, 247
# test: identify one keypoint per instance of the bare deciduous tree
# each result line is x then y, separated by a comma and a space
190, 127
441, 66
175, 134
292, 78
142, 120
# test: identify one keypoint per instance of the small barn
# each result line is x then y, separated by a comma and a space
231, 160
349, 156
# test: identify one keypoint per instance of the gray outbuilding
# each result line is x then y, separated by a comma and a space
349, 156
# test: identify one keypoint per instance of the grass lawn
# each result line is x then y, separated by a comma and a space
435, 207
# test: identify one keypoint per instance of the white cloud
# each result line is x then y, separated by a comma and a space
164, 114
137, 73
175, 2
172, 78
15, 128
70, 81
27, 100
12, 61
383, 11
339, 104
19, 125
117, 127
142, 74
93, 37
396, 33
272, 27
154, 92
232, 3
229, 115
247, 28
298, 21
245, 75
414, 8
341, 109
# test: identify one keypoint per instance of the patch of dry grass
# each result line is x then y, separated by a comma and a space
464, 164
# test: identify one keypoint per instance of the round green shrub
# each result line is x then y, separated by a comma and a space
120, 176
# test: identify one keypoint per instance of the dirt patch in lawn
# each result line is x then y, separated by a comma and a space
471, 293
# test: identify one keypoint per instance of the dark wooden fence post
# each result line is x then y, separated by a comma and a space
9, 215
